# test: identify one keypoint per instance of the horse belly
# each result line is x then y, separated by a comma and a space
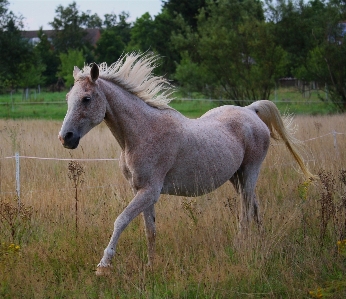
198, 174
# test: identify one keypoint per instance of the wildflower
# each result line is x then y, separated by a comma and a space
303, 189
13, 247
342, 247
316, 294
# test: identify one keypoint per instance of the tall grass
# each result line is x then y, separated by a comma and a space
199, 251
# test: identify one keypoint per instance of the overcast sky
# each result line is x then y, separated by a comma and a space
40, 12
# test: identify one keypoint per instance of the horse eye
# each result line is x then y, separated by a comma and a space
86, 99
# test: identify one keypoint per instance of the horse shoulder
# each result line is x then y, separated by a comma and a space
149, 159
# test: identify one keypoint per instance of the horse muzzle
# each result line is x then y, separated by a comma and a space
70, 140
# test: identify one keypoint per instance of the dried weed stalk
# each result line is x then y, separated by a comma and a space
333, 204
13, 217
75, 174
190, 209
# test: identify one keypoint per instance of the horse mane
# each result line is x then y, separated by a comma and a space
134, 72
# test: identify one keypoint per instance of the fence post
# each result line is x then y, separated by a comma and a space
18, 178
12, 100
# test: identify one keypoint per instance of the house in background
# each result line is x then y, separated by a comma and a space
92, 35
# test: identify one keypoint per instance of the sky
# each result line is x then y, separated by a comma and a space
40, 12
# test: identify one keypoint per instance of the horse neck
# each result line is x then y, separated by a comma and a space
127, 116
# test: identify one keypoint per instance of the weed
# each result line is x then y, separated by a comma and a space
333, 203
8, 249
14, 217
75, 174
189, 207
342, 247
327, 208
303, 189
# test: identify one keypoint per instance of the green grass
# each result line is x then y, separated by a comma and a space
46, 105
52, 106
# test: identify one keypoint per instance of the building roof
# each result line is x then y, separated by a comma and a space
93, 35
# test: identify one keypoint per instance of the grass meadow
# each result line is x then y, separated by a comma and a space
52, 105
50, 249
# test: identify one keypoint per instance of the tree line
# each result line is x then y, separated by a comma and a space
234, 49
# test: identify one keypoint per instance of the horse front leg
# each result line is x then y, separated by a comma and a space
144, 199
150, 231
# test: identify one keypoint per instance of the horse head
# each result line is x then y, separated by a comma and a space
86, 108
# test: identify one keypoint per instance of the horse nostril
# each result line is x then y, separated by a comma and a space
68, 135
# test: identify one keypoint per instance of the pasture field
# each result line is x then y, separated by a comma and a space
52, 105
50, 250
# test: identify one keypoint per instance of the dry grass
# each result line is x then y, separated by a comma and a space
199, 254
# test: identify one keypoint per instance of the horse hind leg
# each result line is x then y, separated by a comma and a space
244, 181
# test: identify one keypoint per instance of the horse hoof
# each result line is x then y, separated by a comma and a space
104, 271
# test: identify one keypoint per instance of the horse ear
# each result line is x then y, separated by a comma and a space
76, 70
94, 72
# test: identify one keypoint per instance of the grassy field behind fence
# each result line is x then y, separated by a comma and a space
52, 106
50, 250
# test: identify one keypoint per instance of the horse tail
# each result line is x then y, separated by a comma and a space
281, 129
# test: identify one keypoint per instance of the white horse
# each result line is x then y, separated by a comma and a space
163, 152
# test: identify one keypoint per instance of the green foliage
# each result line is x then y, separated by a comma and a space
67, 25
225, 49
68, 62
192, 76
114, 38
315, 43
154, 34
32, 75
188, 10
142, 33
240, 58
109, 47
15, 52
45, 53
326, 63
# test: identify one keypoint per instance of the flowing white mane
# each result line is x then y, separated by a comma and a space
134, 72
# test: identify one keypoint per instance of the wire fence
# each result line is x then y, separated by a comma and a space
18, 157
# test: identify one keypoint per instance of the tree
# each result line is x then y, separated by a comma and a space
15, 52
326, 62
142, 34
68, 61
235, 50
32, 74
297, 24
45, 52
311, 34
155, 35
68, 26
109, 47
188, 9
3, 12
114, 38
90, 21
